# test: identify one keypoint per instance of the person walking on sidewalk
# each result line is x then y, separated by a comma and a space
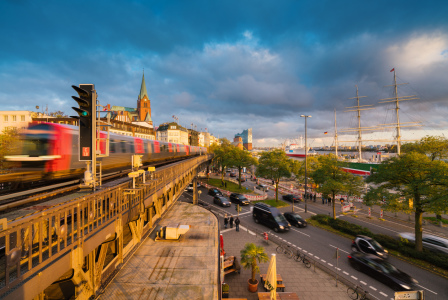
237, 224
231, 221
226, 221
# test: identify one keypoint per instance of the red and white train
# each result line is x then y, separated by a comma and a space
52, 150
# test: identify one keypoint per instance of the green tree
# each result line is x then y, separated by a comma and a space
221, 155
274, 165
332, 180
58, 114
414, 180
435, 147
239, 159
8, 144
249, 257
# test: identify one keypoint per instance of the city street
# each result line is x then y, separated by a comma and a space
320, 246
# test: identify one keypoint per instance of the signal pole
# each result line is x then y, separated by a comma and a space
87, 129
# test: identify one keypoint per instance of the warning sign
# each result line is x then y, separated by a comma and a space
85, 151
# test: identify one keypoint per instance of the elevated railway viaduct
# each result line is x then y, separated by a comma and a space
73, 248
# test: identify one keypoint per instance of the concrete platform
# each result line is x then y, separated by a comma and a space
182, 269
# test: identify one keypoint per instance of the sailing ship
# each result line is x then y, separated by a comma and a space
362, 166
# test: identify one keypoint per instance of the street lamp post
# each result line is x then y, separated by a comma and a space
306, 158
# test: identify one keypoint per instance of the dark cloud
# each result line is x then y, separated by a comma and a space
231, 65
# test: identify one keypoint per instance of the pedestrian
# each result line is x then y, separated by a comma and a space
329, 201
226, 221
314, 197
237, 224
225, 184
323, 199
272, 182
231, 221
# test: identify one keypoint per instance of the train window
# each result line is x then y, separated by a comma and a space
132, 147
112, 148
145, 145
123, 147
152, 147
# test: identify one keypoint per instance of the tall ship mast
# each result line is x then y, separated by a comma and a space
398, 125
397, 100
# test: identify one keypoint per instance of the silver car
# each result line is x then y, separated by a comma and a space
430, 242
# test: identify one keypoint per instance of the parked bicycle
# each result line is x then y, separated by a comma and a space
357, 293
285, 249
301, 257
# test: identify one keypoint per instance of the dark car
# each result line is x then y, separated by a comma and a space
368, 245
295, 219
222, 201
291, 197
214, 192
233, 174
270, 217
382, 271
238, 199
242, 179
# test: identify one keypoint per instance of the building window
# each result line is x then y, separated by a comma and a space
6, 118
22, 118
14, 118
173, 127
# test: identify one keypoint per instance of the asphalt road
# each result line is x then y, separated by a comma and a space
320, 246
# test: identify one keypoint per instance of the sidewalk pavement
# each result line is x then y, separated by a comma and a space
308, 284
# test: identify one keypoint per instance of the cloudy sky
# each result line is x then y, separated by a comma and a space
232, 65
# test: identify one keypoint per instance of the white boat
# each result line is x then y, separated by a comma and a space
295, 150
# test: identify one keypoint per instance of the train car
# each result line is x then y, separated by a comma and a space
51, 150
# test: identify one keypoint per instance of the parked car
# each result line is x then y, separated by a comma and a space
262, 187
233, 174
382, 271
430, 242
368, 245
238, 199
270, 217
291, 197
295, 219
214, 192
222, 201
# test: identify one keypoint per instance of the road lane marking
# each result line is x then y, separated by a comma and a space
305, 251
338, 269
300, 232
355, 278
339, 249
385, 295
330, 264
372, 288
323, 260
427, 289
317, 257
345, 273
363, 282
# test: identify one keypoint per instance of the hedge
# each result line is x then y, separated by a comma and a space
402, 246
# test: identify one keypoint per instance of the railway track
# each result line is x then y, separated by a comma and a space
34, 196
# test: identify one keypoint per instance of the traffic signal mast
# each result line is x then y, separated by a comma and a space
87, 115
87, 119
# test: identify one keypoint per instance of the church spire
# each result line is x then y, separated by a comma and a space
143, 91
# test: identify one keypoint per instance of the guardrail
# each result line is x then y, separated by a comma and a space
46, 240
